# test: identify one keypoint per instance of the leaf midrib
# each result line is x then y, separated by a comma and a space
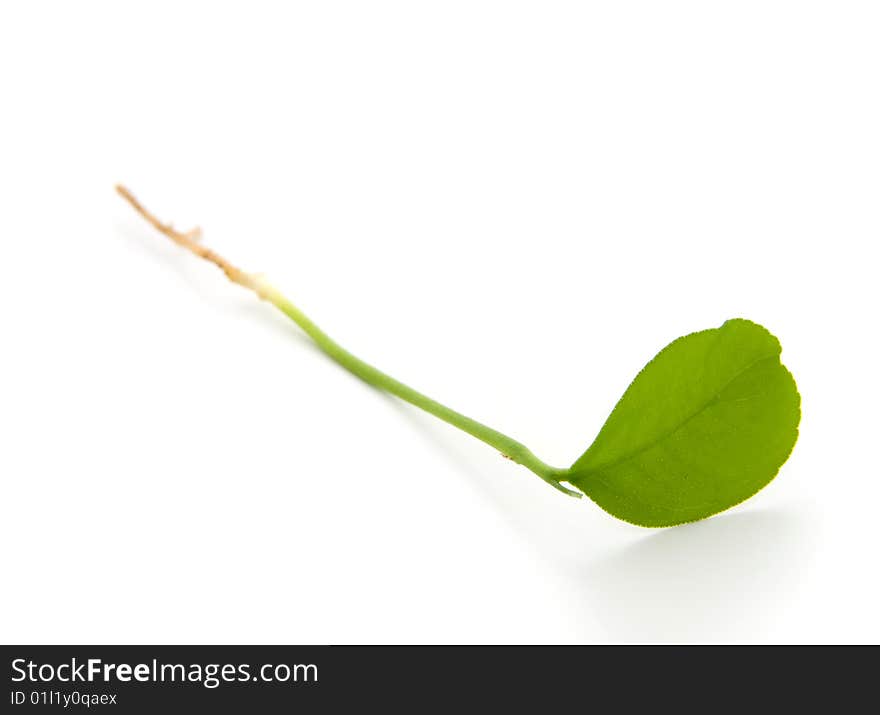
689, 418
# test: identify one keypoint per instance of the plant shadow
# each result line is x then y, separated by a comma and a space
727, 578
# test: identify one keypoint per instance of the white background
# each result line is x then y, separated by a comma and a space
511, 206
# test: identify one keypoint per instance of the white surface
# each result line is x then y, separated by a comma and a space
512, 206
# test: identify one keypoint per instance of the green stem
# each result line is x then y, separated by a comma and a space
508, 446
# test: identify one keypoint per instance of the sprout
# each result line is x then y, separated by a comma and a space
705, 425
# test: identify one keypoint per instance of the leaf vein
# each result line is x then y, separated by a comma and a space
680, 425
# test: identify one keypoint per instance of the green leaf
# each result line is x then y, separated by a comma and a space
706, 424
